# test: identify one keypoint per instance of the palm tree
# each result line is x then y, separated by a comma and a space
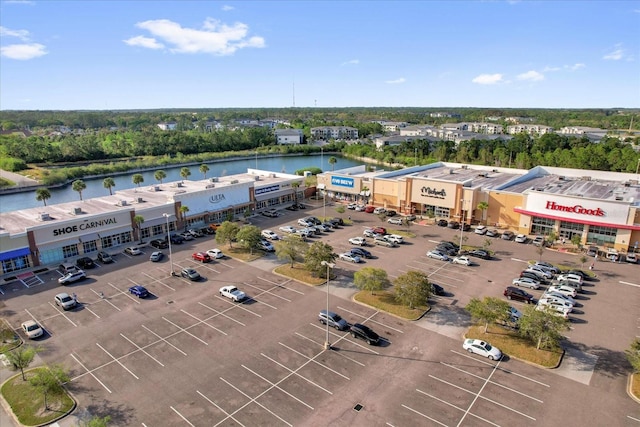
79, 186
483, 206
295, 185
332, 162
204, 169
109, 183
137, 179
42, 195
160, 175
138, 220
183, 213
364, 192
185, 173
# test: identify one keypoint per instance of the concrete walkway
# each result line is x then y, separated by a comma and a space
20, 180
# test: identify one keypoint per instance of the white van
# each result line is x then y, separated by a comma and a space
570, 278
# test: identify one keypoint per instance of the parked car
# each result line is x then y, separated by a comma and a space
358, 330
481, 229
631, 258
447, 250
569, 277
410, 217
288, 229
395, 221
526, 282
547, 266
332, 319
462, 260
271, 213
454, 225
232, 293
67, 267
156, 256
391, 213
65, 301
538, 241
31, 329
539, 271
104, 257
556, 304
329, 225
133, 250
556, 311
85, 262
480, 253
350, 257
437, 290
335, 221
362, 253
518, 294
268, 234
187, 236
215, 253
592, 251
351, 206
438, 255
533, 276
303, 222
201, 256
380, 210
207, 230
322, 227
368, 232
394, 238
71, 277
195, 233
521, 238
492, 233
358, 241
360, 208
382, 241
450, 244
191, 274
266, 246
575, 285
507, 235
465, 226
442, 223
369, 209
176, 239
482, 348
139, 291
549, 293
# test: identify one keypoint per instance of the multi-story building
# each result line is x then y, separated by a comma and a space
530, 129
289, 136
334, 132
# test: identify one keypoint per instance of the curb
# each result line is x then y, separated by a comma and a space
629, 391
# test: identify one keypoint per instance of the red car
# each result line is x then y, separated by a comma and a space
380, 230
201, 256
369, 209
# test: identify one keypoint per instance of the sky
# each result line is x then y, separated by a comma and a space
120, 54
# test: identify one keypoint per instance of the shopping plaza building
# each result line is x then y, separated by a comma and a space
51, 234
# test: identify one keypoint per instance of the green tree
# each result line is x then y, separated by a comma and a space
316, 253
138, 220
79, 186
248, 236
332, 162
633, 355
340, 209
486, 244
109, 183
483, 207
203, 170
540, 251
295, 185
576, 239
21, 358
160, 175
184, 209
185, 173
48, 380
42, 195
412, 288
371, 279
488, 310
137, 179
407, 223
542, 327
227, 232
583, 259
291, 248
365, 193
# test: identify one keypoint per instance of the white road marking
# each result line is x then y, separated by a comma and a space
278, 387
439, 281
117, 361
312, 359
423, 415
455, 407
105, 298
181, 416
160, 339
371, 319
266, 292
91, 311
630, 284
282, 285
88, 372
507, 371
238, 306
338, 353
142, 350
634, 419
204, 322
184, 330
299, 376
219, 313
219, 408
519, 260
55, 307
159, 281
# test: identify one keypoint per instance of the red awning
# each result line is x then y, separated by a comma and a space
577, 221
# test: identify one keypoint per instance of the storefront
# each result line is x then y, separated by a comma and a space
275, 195
439, 199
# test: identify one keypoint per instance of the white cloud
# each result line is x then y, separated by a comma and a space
227, 8
396, 81
532, 75
565, 67
143, 41
214, 37
29, 2
23, 52
351, 62
616, 54
575, 67
487, 79
21, 34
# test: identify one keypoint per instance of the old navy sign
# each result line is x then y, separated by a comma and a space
432, 192
84, 226
267, 189
342, 182
574, 209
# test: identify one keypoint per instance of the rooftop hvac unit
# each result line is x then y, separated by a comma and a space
44, 216
450, 171
585, 178
272, 175
235, 181
495, 170
155, 188
179, 184
257, 177
618, 198
77, 211
139, 200
465, 167
123, 203
214, 179
210, 186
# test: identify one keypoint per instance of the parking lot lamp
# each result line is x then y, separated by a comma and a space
166, 215
324, 204
461, 224
327, 345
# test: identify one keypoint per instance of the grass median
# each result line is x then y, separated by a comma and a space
299, 273
385, 301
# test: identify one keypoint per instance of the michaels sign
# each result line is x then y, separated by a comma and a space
432, 192
342, 182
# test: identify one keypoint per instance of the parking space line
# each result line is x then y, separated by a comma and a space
455, 407
282, 285
204, 322
88, 372
63, 314
219, 408
262, 302
205, 265
492, 382
370, 318
117, 360
519, 260
35, 320
220, 313
506, 371
268, 291
141, 349
630, 284
634, 419
238, 306
163, 340
312, 359
102, 297
86, 307
159, 281
181, 416
299, 376
344, 337
338, 353
436, 271
446, 283
278, 387
423, 415
184, 330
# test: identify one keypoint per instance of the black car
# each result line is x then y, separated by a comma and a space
364, 332
85, 262
518, 294
362, 253
207, 230
391, 213
453, 225
533, 276
338, 221
437, 290
442, 223
449, 243
177, 239
465, 226
447, 249
159, 244
480, 253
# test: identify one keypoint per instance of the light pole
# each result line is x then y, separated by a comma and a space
461, 224
324, 204
166, 215
327, 345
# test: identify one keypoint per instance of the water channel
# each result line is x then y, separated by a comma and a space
12, 202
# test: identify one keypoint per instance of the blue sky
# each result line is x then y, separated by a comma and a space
65, 55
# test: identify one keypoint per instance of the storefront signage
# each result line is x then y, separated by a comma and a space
216, 198
574, 209
84, 226
268, 189
433, 193
342, 182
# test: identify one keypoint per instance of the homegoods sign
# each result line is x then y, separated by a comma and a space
579, 209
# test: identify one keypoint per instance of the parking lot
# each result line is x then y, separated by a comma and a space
187, 356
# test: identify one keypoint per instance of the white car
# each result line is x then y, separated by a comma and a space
32, 329
556, 311
395, 221
233, 293
631, 258
305, 223
463, 260
288, 229
548, 267
394, 238
71, 277
481, 229
556, 295
266, 246
268, 234
360, 208
482, 348
305, 232
65, 301
563, 289
215, 253
156, 256
348, 256
570, 278
438, 255
351, 206
556, 303
358, 241
377, 211
540, 272
521, 238
321, 227
526, 282
134, 250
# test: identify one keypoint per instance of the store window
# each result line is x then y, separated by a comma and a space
542, 226
70, 251
261, 204
570, 229
441, 212
15, 264
145, 232
51, 256
158, 229
601, 236
88, 247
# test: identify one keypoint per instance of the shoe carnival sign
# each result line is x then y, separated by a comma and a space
579, 209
